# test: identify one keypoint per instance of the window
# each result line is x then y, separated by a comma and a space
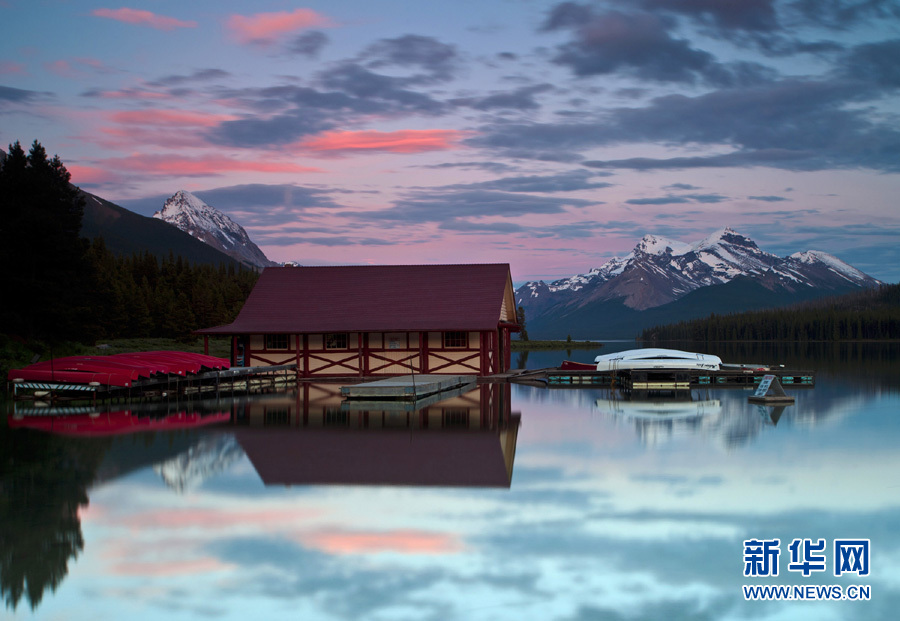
456, 339
276, 341
337, 340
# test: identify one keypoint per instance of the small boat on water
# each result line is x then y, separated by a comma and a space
657, 358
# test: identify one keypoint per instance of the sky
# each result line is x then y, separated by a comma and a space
548, 135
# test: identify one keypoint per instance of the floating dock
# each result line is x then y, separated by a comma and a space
407, 387
662, 379
239, 379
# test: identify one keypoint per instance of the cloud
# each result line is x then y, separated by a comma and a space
875, 63
641, 44
563, 182
76, 67
143, 18
843, 14
200, 75
394, 92
287, 113
447, 206
518, 99
88, 176
768, 199
11, 68
438, 59
266, 28
747, 15
180, 166
397, 541
308, 44
258, 197
402, 141
168, 118
683, 198
18, 95
792, 124
636, 42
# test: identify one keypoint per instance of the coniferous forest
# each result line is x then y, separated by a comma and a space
58, 286
873, 314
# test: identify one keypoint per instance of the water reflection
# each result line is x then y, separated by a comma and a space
616, 509
313, 437
53, 456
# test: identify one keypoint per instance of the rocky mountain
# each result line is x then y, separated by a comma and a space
127, 233
191, 215
660, 272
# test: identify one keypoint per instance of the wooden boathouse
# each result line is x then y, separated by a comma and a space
371, 320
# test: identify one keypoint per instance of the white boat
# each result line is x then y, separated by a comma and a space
656, 358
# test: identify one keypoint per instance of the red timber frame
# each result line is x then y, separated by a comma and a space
487, 353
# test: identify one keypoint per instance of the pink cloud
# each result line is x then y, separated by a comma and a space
145, 18
62, 68
134, 93
9, 68
75, 67
90, 175
130, 137
403, 141
169, 118
399, 541
266, 27
179, 166
213, 518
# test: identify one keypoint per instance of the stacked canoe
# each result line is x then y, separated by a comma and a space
118, 370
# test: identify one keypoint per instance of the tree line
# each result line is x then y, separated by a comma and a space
60, 287
871, 314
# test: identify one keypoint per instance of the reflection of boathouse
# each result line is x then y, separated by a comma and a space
377, 320
308, 438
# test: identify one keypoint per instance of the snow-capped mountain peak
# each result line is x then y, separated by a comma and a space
655, 245
660, 270
831, 263
192, 215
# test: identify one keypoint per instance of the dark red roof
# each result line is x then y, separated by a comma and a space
373, 298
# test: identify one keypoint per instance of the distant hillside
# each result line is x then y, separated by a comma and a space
872, 314
127, 233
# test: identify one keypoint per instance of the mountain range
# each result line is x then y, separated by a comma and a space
190, 214
664, 281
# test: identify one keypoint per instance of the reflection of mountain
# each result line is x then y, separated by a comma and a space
307, 439
211, 455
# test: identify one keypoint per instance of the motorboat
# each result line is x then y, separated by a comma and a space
657, 358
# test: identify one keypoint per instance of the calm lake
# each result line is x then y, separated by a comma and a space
505, 502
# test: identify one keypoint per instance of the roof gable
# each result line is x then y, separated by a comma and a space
374, 298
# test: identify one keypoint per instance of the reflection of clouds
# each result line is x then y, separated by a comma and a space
596, 524
398, 542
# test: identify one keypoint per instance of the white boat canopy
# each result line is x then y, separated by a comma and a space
657, 358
